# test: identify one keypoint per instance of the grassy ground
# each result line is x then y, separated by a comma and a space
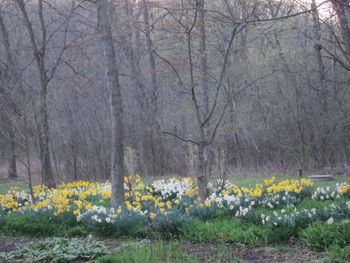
252, 181
155, 251
240, 181
4, 188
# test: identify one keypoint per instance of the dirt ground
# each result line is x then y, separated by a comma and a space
220, 253
230, 252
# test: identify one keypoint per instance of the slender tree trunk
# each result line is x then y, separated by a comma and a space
12, 170
27, 151
342, 9
154, 102
203, 55
202, 172
44, 128
116, 104
322, 87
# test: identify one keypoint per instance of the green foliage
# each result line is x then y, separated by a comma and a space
158, 252
127, 224
4, 188
309, 203
76, 231
322, 235
205, 213
337, 254
224, 230
41, 224
169, 225
57, 250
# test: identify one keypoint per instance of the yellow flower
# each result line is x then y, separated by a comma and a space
152, 215
128, 205
76, 212
207, 203
269, 182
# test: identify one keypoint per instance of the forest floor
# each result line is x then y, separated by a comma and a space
200, 252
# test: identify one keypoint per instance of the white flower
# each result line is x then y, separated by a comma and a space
79, 217
330, 221
348, 204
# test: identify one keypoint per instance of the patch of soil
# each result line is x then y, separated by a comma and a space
9, 243
229, 252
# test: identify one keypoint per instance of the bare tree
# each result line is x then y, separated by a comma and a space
39, 51
8, 91
116, 104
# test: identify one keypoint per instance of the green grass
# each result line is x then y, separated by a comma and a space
322, 236
41, 225
224, 231
309, 203
337, 254
252, 181
152, 253
4, 188
170, 252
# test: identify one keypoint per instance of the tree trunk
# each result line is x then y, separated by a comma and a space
117, 169
12, 171
154, 103
342, 9
203, 55
44, 128
6, 92
202, 173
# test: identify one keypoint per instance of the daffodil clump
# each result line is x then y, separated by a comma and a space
162, 204
327, 193
293, 217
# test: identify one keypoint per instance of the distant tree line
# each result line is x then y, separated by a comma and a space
191, 87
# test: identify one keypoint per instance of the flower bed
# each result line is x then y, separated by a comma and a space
165, 205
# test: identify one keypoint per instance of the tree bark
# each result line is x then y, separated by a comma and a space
157, 159
116, 105
6, 92
44, 128
342, 9
202, 174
